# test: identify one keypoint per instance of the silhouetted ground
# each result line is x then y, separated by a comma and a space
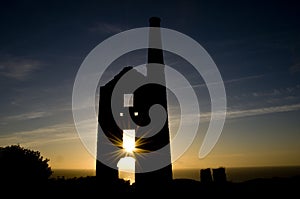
273, 187
88, 187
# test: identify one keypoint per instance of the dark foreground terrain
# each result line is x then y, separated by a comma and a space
88, 187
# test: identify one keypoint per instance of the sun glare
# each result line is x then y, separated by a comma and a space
129, 140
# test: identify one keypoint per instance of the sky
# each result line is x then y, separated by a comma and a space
255, 45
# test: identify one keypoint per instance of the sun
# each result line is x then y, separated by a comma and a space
129, 140
131, 147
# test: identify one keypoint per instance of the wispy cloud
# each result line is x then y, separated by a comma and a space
66, 131
287, 91
55, 133
18, 68
243, 79
262, 111
230, 81
232, 114
26, 116
233, 80
106, 28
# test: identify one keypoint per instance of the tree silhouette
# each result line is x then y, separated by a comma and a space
23, 166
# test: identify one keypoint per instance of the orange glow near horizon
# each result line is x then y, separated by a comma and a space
126, 168
230, 151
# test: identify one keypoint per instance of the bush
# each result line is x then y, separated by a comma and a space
21, 165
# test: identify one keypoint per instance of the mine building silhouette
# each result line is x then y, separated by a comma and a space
112, 133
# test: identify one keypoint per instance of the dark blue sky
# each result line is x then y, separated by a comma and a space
255, 44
